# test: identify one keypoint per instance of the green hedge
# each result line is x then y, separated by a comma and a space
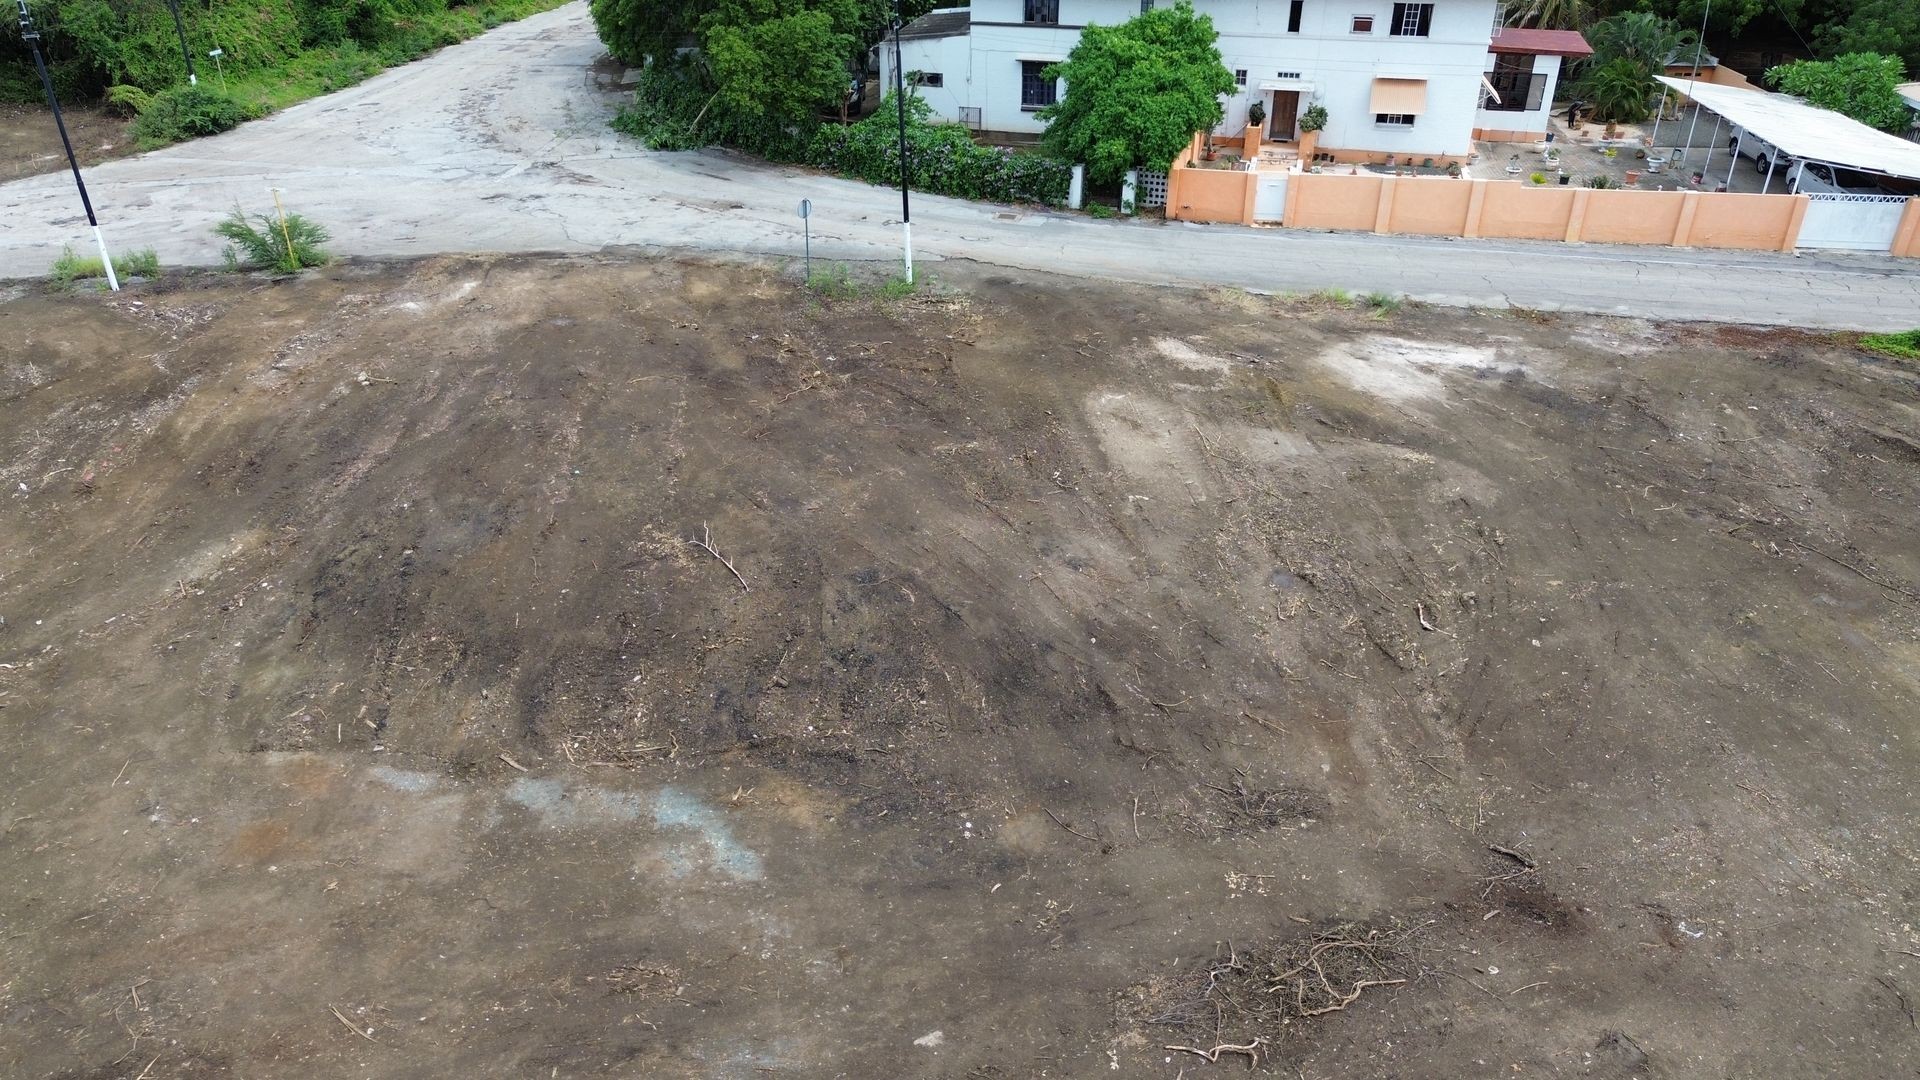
188, 112
673, 109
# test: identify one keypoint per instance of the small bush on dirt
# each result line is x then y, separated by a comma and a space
69, 267
1382, 304
835, 281
896, 289
943, 158
1100, 210
128, 100
1905, 346
286, 243
1336, 297
187, 112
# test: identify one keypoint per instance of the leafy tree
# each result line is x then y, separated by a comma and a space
778, 56
1648, 41
1628, 51
1618, 90
1860, 85
1137, 92
1876, 26
1553, 14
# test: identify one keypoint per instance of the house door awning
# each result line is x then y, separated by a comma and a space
1406, 97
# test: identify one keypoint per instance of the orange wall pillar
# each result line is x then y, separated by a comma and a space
1250, 142
1683, 228
1577, 215
1906, 238
1383, 213
1791, 238
1290, 214
1476, 205
1246, 200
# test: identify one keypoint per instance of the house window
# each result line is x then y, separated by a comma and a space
927, 78
1363, 24
1411, 20
1036, 90
1514, 80
1294, 11
1146, 6
1393, 119
1043, 11
1286, 74
1239, 76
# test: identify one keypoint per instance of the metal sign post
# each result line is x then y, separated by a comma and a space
218, 68
32, 38
900, 104
806, 226
185, 53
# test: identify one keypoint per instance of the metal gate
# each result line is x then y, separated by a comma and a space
1854, 222
1270, 196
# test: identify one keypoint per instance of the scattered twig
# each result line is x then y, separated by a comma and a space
1358, 988
1268, 724
348, 1024
1069, 828
1529, 986
1136, 817
1169, 706
148, 1069
1471, 983
1837, 560
1905, 1005
121, 773
1514, 855
508, 758
1252, 1050
705, 543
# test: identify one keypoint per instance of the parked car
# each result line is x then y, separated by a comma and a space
1760, 150
1818, 177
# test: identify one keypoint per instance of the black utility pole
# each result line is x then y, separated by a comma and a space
32, 38
900, 103
181, 29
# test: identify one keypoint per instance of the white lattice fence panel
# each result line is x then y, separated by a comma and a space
1153, 188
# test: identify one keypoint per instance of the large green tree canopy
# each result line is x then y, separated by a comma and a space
1137, 92
783, 58
1860, 85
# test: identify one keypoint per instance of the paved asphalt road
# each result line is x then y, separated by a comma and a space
501, 144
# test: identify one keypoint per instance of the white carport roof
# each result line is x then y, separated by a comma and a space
1800, 130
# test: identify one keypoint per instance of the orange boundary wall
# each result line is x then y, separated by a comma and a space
1507, 209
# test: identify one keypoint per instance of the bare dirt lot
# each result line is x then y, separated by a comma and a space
1075, 672
30, 143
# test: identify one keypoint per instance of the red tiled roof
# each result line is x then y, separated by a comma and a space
1510, 39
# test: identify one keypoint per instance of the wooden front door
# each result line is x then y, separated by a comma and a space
1282, 116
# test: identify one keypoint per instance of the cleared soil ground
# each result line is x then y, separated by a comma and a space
1442, 694
30, 143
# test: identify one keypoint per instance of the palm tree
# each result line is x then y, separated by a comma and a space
1644, 38
1552, 14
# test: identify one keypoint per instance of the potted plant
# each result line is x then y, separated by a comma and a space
1453, 169
1539, 179
1207, 152
1312, 122
1256, 114
1633, 176
1565, 179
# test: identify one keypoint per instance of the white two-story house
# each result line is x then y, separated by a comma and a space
1395, 77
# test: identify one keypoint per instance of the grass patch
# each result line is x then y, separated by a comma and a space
836, 281
69, 267
1382, 304
1902, 346
287, 242
1101, 210
1336, 297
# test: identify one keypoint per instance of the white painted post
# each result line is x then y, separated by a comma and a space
1130, 191
106, 260
1077, 188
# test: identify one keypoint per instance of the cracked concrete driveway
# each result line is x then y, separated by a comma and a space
502, 144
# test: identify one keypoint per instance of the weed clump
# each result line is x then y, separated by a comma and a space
287, 243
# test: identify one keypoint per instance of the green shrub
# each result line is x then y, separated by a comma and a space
69, 267
128, 100
287, 242
187, 112
1601, 182
944, 158
1904, 345
1382, 304
1101, 210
